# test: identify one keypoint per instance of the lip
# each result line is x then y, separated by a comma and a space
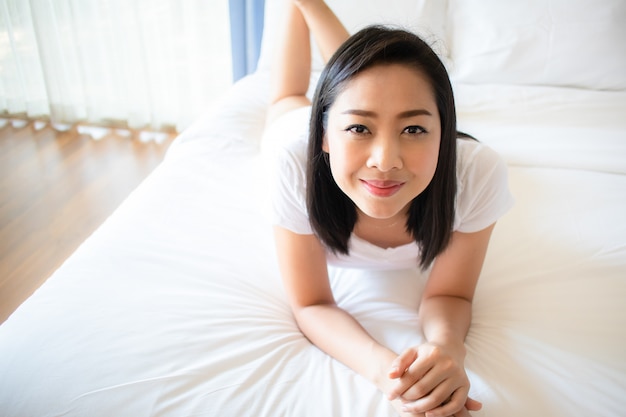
382, 188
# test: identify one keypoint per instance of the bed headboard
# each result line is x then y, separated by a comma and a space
424, 17
563, 43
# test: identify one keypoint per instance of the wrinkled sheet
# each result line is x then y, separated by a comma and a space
174, 306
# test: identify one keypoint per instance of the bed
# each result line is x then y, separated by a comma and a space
174, 306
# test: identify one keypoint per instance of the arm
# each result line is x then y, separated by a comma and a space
302, 262
435, 371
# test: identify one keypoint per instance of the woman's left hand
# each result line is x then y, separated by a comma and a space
431, 379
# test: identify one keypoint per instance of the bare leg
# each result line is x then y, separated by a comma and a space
291, 69
328, 31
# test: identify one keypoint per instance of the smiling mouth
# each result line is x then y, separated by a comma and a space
382, 188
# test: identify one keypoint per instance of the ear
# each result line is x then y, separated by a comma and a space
325, 143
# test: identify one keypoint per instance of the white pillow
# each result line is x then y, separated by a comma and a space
424, 17
572, 43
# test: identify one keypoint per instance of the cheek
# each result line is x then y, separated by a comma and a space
425, 161
336, 153
433, 160
337, 165
343, 165
434, 157
337, 160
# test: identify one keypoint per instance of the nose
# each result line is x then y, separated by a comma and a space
385, 154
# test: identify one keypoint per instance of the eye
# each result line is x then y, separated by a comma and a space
414, 130
357, 129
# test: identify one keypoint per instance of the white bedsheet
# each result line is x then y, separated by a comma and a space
174, 306
547, 126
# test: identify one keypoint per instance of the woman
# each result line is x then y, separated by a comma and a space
380, 173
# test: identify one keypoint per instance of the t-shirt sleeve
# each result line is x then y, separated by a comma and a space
287, 173
483, 194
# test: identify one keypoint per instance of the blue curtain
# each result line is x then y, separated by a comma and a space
246, 30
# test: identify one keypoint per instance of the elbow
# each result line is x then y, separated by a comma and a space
308, 313
445, 302
458, 297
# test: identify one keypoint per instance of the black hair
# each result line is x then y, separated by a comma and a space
332, 213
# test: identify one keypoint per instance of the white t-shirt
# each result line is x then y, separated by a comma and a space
482, 193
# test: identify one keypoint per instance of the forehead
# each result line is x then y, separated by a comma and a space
388, 86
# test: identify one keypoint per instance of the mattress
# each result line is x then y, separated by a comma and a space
174, 306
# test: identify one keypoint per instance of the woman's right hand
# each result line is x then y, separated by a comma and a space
388, 381
470, 405
431, 379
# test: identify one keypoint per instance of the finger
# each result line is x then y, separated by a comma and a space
422, 387
470, 405
402, 363
462, 413
407, 389
453, 406
410, 386
423, 384
473, 405
433, 402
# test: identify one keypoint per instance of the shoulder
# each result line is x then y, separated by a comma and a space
474, 156
479, 166
285, 152
284, 146
482, 186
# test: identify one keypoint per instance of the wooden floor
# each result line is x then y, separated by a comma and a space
55, 190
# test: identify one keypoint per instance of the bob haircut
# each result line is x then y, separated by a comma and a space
332, 213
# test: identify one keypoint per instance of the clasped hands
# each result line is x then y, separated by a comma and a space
430, 380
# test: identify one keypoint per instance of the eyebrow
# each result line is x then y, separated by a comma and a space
403, 115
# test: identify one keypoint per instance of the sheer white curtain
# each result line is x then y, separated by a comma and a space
148, 64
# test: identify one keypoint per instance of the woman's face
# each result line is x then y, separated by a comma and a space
383, 138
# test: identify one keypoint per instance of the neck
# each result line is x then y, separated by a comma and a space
386, 233
365, 221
